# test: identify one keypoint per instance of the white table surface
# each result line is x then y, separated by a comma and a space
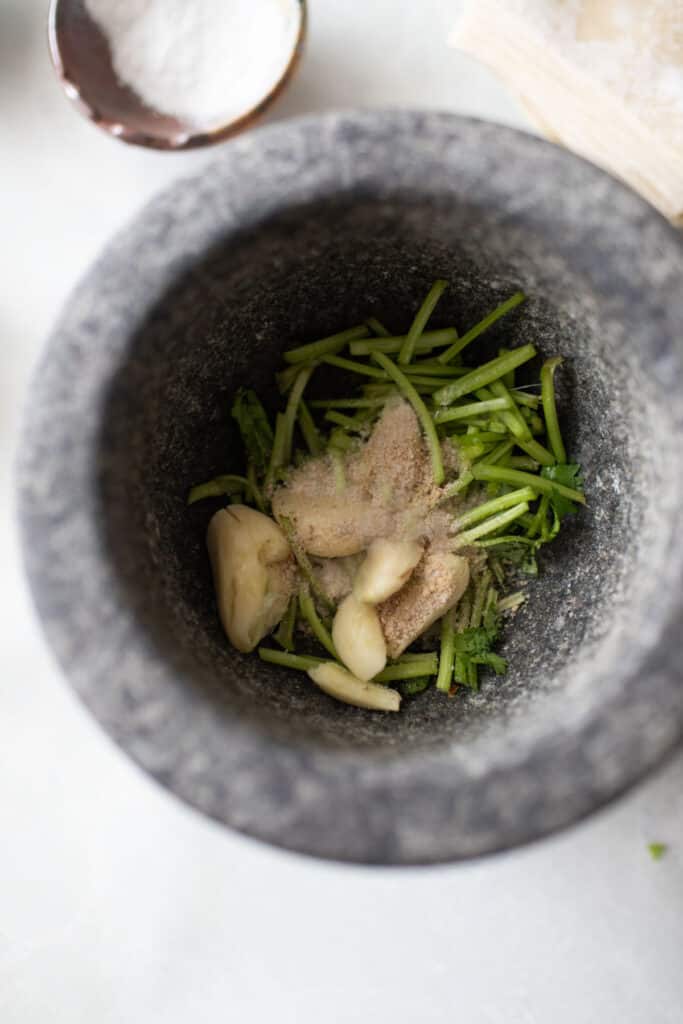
118, 905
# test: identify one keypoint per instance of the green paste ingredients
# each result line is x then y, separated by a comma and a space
379, 537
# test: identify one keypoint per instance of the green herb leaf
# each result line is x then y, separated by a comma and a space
657, 850
494, 661
567, 475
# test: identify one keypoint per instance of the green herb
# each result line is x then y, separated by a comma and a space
326, 346
301, 662
309, 429
549, 408
420, 322
484, 375
354, 367
377, 327
483, 325
497, 522
254, 427
390, 344
349, 422
521, 462
277, 455
309, 613
489, 508
408, 670
657, 850
473, 647
254, 489
517, 477
567, 483
285, 631
444, 678
292, 410
229, 483
463, 412
426, 421
347, 403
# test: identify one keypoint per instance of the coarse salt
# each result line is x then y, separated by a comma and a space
206, 62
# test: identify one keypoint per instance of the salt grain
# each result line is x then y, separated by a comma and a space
207, 62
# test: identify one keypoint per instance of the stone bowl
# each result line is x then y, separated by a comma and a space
299, 230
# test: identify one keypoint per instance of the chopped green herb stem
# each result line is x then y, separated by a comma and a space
309, 429
459, 485
326, 346
550, 409
498, 453
511, 417
277, 456
526, 401
420, 322
292, 410
340, 441
341, 420
254, 489
444, 677
347, 403
489, 508
490, 525
483, 375
394, 343
483, 325
354, 367
522, 462
519, 478
377, 327
463, 412
430, 369
301, 662
308, 612
228, 483
480, 592
536, 451
511, 538
408, 670
338, 469
285, 631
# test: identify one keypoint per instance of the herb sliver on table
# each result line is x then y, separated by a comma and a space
380, 540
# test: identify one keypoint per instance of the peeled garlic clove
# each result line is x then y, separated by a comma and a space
339, 683
252, 598
358, 637
387, 567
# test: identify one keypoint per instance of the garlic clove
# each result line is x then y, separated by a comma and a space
387, 567
343, 686
358, 638
247, 550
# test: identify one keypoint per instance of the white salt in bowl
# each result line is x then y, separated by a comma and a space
176, 76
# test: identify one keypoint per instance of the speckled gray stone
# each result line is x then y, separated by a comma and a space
298, 230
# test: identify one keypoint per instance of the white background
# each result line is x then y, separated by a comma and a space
117, 904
